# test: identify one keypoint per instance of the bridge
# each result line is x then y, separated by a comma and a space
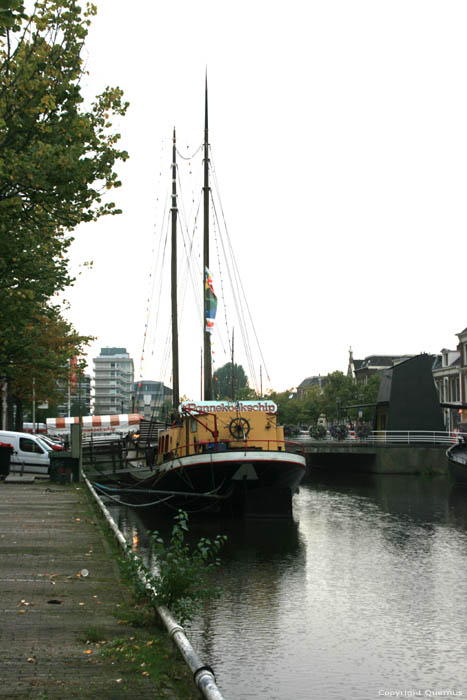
384, 452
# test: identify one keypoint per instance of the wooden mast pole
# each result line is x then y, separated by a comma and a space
233, 365
174, 214
207, 336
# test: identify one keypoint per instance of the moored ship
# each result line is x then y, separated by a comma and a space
227, 457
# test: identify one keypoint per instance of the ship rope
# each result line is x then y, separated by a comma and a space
237, 286
157, 326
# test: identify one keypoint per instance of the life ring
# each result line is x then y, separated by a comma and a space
239, 428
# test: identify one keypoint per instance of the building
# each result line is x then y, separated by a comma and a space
149, 397
362, 370
462, 350
113, 382
446, 376
308, 384
407, 398
75, 396
450, 376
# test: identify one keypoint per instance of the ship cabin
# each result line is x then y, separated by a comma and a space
217, 426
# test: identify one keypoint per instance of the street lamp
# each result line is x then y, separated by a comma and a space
338, 404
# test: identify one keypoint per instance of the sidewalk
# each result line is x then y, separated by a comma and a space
50, 537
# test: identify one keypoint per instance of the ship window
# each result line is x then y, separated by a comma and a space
194, 425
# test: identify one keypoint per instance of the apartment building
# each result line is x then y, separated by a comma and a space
113, 382
149, 398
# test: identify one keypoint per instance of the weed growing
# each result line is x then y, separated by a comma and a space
181, 581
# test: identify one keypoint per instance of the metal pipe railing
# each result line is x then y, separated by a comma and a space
203, 675
407, 437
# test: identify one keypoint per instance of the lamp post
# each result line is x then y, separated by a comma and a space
338, 405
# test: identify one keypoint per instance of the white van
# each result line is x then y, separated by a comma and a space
30, 454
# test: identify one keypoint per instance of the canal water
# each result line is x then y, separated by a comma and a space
363, 595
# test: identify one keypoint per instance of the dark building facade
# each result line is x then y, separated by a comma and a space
407, 398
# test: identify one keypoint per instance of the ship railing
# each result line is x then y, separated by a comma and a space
408, 437
202, 447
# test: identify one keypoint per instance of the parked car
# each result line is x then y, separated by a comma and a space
30, 453
57, 446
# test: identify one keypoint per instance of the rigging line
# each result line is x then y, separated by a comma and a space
152, 273
158, 274
194, 174
238, 306
193, 155
152, 278
130, 505
158, 403
216, 241
238, 299
236, 266
189, 273
189, 263
166, 353
187, 219
158, 320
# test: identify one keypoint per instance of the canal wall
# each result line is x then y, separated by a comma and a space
377, 459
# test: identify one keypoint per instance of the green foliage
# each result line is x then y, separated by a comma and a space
11, 14
42, 348
57, 160
339, 392
291, 430
292, 410
318, 432
339, 431
222, 382
181, 581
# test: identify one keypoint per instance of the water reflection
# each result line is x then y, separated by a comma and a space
366, 592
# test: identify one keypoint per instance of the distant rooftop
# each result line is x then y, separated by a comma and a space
380, 361
113, 351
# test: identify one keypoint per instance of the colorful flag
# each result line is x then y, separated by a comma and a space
210, 303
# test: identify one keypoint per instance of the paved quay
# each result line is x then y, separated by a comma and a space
62, 604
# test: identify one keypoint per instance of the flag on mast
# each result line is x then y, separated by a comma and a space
210, 304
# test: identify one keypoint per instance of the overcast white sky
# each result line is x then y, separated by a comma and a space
339, 134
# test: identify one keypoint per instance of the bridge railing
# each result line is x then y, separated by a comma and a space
412, 437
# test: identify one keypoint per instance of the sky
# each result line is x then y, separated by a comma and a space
338, 130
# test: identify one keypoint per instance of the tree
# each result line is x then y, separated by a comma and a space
339, 391
57, 159
334, 400
11, 14
42, 365
222, 381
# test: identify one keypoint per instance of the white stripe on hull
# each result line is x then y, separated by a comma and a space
250, 456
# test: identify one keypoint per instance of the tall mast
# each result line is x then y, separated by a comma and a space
174, 214
207, 336
233, 365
